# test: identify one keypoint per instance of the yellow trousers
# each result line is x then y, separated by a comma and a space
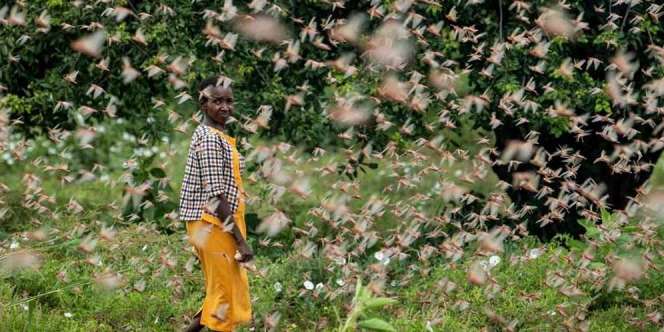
227, 302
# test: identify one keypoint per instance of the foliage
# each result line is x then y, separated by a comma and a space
35, 81
148, 191
363, 301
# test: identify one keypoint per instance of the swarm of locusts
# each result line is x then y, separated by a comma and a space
392, 41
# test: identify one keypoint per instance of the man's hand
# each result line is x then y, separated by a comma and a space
244, 253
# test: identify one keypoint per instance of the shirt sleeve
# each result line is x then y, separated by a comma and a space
212, 159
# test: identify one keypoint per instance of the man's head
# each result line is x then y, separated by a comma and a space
216, 100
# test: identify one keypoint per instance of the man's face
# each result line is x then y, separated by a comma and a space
218, 103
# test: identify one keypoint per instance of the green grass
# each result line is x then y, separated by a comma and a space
163, 307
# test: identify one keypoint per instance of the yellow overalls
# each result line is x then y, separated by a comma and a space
227, 302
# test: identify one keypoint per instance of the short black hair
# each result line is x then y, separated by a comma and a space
211, 80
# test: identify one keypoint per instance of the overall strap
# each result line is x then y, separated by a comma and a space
229, 139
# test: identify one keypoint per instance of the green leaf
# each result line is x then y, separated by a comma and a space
596, 265
576, 244
607, 218
158, 173
376, 324
364, 294
379, 302
147, 161
591, 229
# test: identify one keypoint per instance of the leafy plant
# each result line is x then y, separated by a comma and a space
358, 317
147, 192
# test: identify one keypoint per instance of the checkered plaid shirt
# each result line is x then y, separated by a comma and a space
209, 172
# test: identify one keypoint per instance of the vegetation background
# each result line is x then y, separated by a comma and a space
93, 147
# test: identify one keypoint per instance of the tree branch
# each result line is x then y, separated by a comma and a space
500, 23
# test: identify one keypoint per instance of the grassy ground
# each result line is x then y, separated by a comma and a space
160, 283
41, 301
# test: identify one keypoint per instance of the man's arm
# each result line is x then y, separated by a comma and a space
224, 213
